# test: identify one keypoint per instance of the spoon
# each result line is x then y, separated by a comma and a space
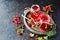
25, 17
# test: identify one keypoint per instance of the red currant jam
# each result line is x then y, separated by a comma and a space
35, 7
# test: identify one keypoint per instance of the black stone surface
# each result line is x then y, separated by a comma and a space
9, 8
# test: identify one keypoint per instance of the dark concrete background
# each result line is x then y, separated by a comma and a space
9, 8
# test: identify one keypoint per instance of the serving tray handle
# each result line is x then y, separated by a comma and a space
27, 9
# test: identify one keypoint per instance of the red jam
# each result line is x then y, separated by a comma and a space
35, 15
37, 19
32, 23
45, 27
45, 18
35, 7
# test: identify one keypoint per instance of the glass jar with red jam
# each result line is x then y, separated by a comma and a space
35, 11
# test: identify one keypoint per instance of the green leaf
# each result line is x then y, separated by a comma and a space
47, 11
39, 38
46, 37
20, 29
51, 4
50, 33
53, 26
51, 11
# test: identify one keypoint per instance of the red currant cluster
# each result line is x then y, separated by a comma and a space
48, 7
17, 21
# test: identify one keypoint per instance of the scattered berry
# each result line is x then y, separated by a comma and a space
44, 9
17, 16
23, 25
20, 31
16, 20
29, 36
49, 7
19, 27
36, 36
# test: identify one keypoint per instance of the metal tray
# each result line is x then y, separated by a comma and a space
26, 12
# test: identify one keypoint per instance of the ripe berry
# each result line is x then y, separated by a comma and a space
29, 36
23, 25
49, 8
31, 23
44, 9
17, 16
19, 27
36, 36
19, 33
